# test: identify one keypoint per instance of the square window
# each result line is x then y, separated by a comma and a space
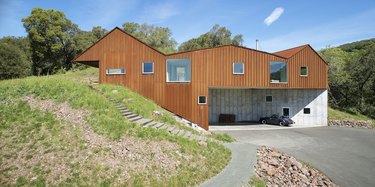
148, 68
306, 110
285, 111
278, 72
115, 71
303, 71
269, 98
202, 100
179, 70
238, 68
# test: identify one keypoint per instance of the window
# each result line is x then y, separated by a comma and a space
285, 111
278, 72
303, 71
306, 110
268, 98
116, 71
238, 68
179, 70
148, 68
202, 100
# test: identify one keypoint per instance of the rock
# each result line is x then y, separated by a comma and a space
305, 171
280, 169
157, 113
202, 143
273, 162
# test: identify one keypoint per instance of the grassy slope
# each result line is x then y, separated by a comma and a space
335, 114
17, 119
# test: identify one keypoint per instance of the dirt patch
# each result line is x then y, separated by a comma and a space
81, 151
280, 169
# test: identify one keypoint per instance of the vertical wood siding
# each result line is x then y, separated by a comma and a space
210, 68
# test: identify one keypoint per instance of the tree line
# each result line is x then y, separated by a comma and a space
53, 41
352, 76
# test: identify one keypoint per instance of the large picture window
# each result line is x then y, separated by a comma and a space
179, 70
279, 71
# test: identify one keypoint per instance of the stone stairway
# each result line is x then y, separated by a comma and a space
149, 123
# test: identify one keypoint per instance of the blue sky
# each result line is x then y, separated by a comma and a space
277, 24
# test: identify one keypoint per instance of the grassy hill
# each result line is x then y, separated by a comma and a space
335, 114
55, 130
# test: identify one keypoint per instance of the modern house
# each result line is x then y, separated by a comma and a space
199, 85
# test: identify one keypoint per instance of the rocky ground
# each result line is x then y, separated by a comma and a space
280, 169
351, 123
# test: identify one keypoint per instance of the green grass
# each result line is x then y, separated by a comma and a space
223, 137
257, 182
336, 114
22, 127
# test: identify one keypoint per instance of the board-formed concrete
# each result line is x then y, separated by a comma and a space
250, 104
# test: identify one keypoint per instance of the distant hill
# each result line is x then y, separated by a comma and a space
357, 46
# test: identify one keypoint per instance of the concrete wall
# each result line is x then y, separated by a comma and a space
250, 104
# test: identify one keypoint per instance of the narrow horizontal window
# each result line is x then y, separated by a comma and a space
148, 68
306, 110
179, 70
238, 68
116, 71
269, 98
202, 100
278, 72
303, 71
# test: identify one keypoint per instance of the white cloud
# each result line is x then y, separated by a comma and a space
159, 13
319, 36
275, 15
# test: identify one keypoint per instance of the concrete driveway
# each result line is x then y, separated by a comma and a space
346, 155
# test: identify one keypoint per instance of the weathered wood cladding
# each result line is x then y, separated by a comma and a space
210, 68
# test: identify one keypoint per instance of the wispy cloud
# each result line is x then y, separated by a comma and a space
158, 13
334, 33
275, 15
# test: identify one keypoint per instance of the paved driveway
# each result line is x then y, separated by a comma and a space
346, 155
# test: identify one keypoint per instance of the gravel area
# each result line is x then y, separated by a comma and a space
351, 123
280, 169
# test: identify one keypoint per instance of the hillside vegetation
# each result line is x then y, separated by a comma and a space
351, 76
55, 130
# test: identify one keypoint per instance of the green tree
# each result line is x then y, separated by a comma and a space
14, 62
51, 40
157, 37
362, 72
98, 32
215, 37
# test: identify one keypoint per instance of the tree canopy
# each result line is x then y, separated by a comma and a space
215, 37
51, 43
158, 37
14, 59
352, 76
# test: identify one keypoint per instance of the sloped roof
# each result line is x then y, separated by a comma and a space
290, 52
282, 54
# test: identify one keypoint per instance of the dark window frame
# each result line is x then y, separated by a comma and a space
306, 110
199, 100
267, 100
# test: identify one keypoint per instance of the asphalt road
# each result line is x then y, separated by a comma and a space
345, 155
